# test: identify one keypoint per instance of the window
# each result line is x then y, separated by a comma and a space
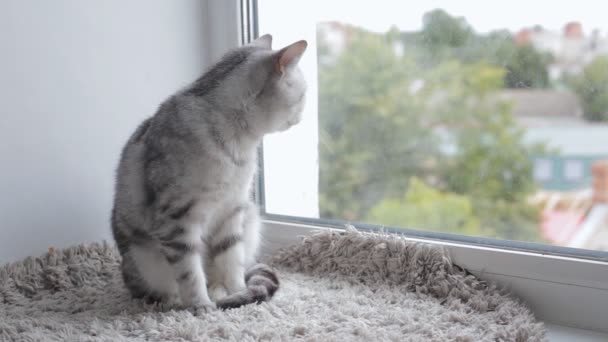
573, 170
559, 265
543, 170
447, 119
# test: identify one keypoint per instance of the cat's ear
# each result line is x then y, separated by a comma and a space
264, 41
290, 55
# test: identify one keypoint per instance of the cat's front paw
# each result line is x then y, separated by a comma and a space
172, 302
203, 308
217, 292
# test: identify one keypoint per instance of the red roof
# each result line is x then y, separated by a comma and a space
560, 226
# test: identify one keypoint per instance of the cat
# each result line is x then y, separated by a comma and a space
183, 217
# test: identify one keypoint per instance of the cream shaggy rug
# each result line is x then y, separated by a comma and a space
334, 287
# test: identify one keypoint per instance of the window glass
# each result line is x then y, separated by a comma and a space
543, 169
484, 119
573, 170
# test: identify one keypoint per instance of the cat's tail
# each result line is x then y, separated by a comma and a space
262, 283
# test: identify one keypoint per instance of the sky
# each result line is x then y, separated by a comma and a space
483, 15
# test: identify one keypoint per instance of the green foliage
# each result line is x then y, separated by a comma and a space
364, 106
490, 158
592, 89
527, 68
439, 28
444, 37
425, 207
387, 120
491, 164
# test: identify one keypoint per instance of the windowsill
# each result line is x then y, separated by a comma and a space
569, 294
560, 333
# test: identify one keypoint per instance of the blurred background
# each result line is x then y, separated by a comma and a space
487, 120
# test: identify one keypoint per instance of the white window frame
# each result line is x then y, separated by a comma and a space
566, 291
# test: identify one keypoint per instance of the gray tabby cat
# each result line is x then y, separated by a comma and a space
183, 218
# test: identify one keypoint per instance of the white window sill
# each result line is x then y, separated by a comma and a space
570, 295
560, 333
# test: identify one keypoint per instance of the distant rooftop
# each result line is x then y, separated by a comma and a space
551, 104
555, 117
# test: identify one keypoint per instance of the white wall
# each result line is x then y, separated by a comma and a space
76, 77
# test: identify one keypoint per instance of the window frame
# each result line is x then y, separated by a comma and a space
566, 291
565, 286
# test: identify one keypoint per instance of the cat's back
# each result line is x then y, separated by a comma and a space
167, 138
176, 148
159, 143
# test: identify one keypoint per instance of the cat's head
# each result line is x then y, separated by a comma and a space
278, 87
268, 84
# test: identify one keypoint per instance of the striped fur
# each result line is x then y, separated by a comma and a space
262, 283
183, 218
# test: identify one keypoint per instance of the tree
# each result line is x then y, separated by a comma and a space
490, 164
527, 68
441, 29
365, 104
425, 207
592, 89
384, 120
444, 37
